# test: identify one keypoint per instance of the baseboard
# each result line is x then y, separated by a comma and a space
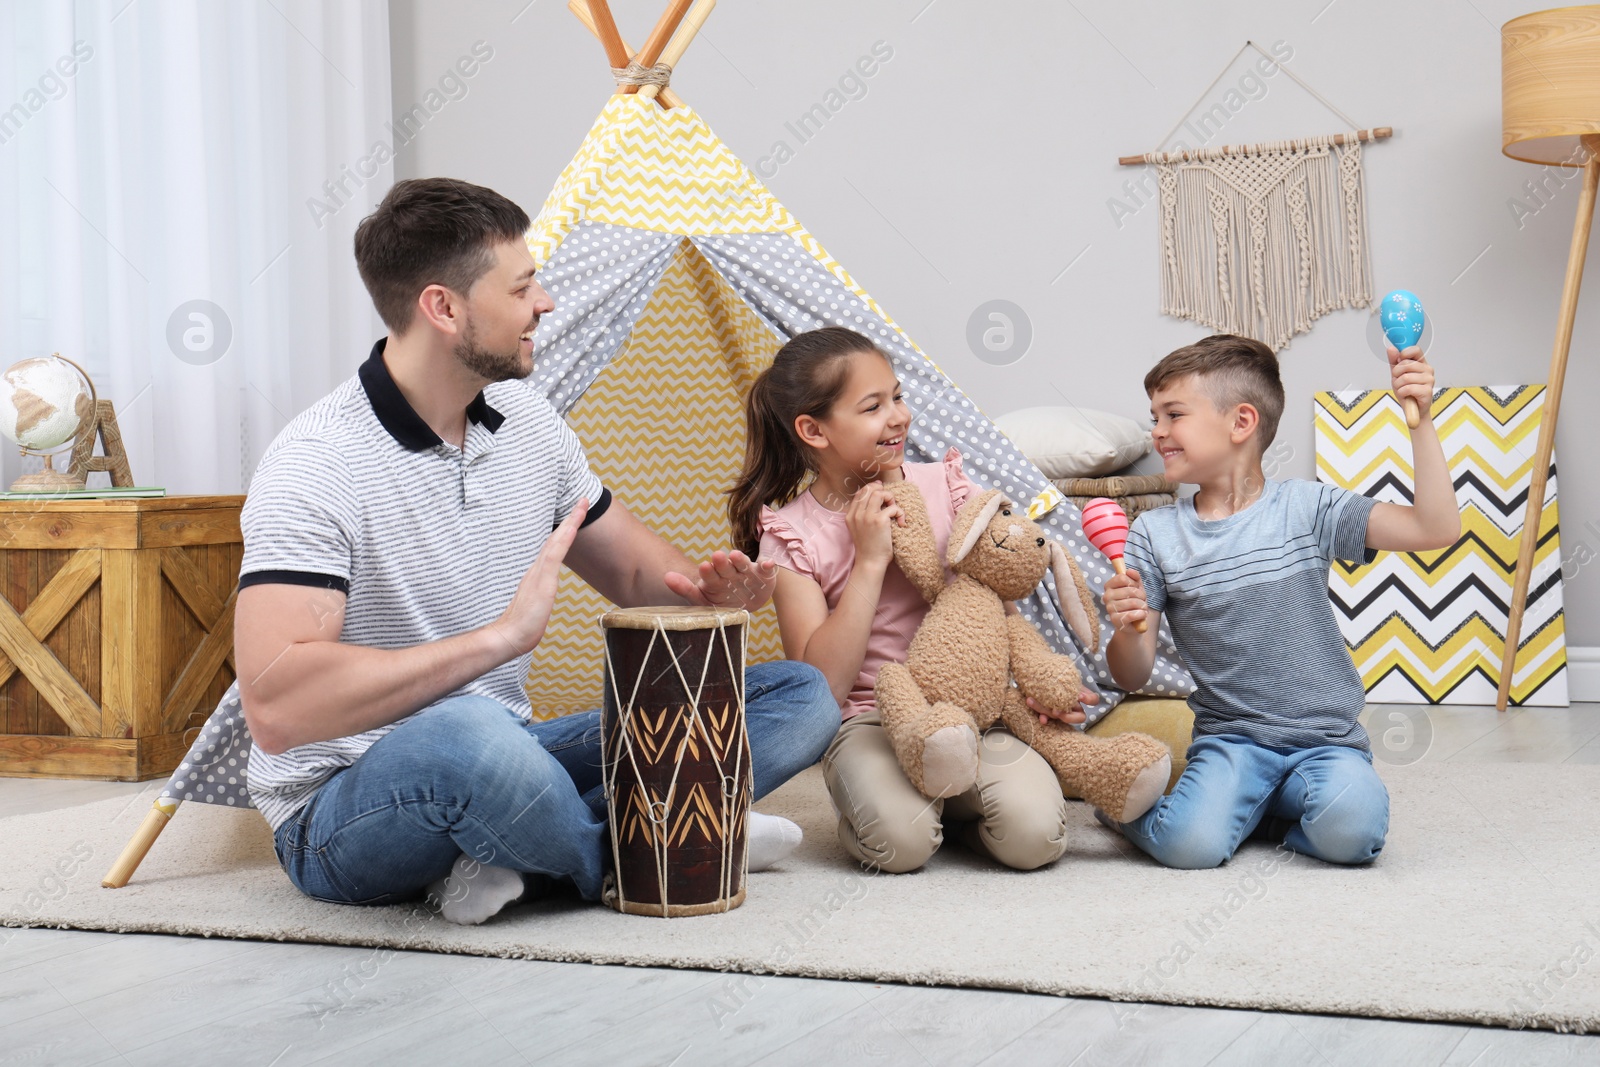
1583, 673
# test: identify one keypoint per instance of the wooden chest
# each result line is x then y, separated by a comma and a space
116, 631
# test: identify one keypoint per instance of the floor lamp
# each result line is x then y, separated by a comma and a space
1550, 114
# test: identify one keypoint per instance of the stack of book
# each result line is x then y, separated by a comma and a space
104, 492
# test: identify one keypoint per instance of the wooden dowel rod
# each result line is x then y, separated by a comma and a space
1547, 418
606, 30
133, 853
668, 99
680, 40
1378, 134
650, 54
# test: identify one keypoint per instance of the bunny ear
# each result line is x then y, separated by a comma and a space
990, 504
1073, 595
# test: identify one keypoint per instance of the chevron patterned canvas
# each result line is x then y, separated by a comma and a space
1429, 627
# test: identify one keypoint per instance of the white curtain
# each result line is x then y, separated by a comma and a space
176, 175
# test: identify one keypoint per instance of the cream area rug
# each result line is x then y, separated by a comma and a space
1482, 908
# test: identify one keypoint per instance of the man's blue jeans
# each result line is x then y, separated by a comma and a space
1337, 805
467, 776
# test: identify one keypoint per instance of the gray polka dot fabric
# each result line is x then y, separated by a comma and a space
215, 771
601, 276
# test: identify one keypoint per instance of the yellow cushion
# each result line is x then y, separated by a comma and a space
1168, 721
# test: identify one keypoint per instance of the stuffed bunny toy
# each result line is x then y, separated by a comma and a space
972, 663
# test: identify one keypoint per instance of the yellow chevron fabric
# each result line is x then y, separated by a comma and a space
661, 170
1430, 626
663, 425
665, 171
658, 170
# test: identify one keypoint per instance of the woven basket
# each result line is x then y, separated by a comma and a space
1136, 493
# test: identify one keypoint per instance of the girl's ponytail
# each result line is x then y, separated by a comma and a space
774, 466
806, 377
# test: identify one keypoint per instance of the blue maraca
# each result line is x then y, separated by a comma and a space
1400, 315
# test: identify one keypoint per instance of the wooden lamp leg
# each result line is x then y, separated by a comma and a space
138, 845
1547, 421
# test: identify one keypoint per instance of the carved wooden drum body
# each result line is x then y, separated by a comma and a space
677, 759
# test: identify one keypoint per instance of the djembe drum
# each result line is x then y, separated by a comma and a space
676, 759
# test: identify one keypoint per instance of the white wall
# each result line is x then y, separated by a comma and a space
980, 162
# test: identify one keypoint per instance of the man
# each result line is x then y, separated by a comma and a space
403, 538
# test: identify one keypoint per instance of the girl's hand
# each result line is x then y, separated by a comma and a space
868, 516
1411, 377
1073, 716
1124, 600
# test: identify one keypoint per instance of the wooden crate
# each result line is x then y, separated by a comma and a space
116, 631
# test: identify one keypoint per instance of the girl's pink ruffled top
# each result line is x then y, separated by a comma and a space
810, 540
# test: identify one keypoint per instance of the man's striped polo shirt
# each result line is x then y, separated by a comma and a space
426, 540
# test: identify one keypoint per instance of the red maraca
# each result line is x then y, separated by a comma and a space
1105, 524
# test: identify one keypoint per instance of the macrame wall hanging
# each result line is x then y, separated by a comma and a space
1263, 239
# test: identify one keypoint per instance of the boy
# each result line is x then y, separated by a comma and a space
1241, 568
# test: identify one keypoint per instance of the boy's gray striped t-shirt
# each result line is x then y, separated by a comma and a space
1247, 598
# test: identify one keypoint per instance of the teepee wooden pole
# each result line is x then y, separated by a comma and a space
1547, 418
680, 40
668, 99
606, 30
650, 54
133, 853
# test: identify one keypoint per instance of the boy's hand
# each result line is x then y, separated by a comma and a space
1124, 600
1412, 377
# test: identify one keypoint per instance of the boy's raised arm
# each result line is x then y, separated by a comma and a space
1433, 519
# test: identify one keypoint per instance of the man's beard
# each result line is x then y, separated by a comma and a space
495, 366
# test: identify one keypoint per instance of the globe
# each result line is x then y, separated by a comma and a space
43, 403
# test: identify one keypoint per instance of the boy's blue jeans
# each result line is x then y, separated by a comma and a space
467, 776
1337, 805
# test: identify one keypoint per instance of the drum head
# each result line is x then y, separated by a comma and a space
674, 617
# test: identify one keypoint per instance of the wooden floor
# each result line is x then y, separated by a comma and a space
70, 997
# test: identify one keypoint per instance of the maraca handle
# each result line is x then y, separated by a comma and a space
1121, 568
1413, 415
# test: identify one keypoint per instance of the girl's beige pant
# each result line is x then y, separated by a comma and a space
1014, 814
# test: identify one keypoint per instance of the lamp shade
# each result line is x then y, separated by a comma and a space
1550, 85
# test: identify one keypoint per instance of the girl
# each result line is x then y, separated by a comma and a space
830, 408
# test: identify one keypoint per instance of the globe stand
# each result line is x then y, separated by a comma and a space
48, 480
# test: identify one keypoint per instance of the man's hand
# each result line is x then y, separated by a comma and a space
728, 580
1071, 716
523, 623
1125, 601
